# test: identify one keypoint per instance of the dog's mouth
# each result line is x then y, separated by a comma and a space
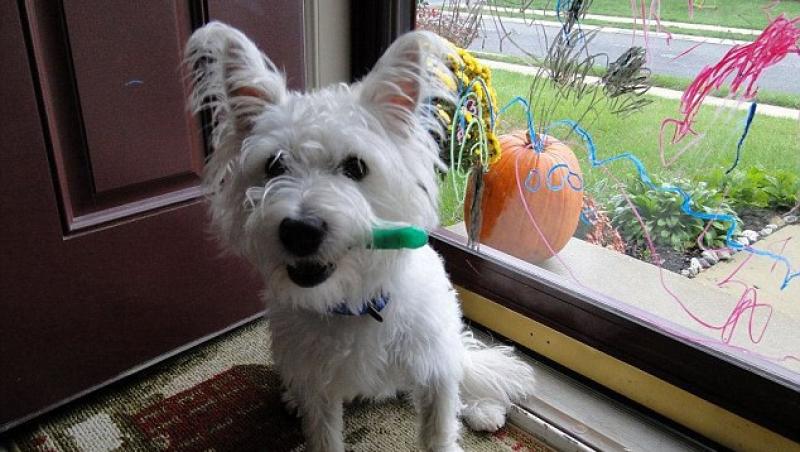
310, 273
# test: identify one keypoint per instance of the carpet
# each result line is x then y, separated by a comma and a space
224, 396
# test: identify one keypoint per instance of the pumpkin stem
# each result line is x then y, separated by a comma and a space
476, 214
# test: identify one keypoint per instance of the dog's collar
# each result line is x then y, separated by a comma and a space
372, 307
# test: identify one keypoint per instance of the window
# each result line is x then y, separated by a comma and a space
687, 301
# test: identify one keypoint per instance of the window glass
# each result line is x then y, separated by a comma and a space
646, 151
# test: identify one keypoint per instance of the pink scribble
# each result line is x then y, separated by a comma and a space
747, 305
685, 52
645, 29
785, 243
748, 309
634, 16
746, 63
535, 224
748, 301
655, 8
702, 235
769, 7
655, 14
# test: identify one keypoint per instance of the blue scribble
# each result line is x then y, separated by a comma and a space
686, 205
573, 179
749, 120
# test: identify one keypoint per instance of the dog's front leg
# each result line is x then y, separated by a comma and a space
322, 422
437, 405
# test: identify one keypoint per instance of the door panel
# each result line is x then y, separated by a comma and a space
105, 259
132, 146
132, 96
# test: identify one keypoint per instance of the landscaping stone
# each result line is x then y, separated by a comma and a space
685, 272
741, 241
765, 232
695, 266
789, 219
724, 255
752, 236
704, 263
710, 256
771, 226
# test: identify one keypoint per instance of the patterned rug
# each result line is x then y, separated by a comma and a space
224, 396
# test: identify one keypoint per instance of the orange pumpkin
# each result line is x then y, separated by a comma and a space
552, 186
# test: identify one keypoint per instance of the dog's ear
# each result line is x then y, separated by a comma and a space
407, 75
231, 78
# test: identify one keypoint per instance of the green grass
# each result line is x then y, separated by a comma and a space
450, 209
666, 81
730, 13
773, 143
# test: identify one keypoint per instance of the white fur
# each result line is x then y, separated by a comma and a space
325, 359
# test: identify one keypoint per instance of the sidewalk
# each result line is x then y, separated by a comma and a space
763, 109
768, 274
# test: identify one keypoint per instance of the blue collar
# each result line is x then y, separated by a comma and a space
372, 307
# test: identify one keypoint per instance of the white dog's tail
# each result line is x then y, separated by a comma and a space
493, 379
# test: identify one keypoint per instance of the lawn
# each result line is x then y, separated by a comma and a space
730, 13
772, 142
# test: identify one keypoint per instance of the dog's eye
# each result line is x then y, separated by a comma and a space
354, 168
274, 167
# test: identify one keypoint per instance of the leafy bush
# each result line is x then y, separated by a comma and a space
664, 219
755, 187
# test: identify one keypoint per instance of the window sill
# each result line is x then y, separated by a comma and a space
696, 414
588, 266
560, 320
570, 415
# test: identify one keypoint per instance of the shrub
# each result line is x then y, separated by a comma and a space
757, 188
667, 223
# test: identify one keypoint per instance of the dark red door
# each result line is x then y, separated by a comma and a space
105, 259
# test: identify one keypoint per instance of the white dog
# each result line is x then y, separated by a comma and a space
296, 183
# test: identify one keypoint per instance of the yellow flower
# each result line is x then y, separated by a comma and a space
468, 70
447, 80
443, 114
494, 147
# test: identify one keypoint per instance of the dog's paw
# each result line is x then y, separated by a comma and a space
485, 417
289, 403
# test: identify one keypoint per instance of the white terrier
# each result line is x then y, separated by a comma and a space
297, 183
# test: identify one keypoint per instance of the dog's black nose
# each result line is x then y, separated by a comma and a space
302, 237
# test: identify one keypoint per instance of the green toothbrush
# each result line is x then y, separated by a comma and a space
398, 237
